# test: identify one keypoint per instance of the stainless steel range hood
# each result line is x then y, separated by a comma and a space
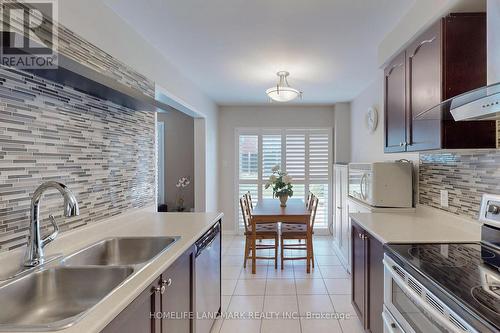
479, 104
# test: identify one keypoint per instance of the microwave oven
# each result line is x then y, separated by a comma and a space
382, 184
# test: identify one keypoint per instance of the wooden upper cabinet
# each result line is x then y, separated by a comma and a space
395, 108
423, 65
464, 61
446, 60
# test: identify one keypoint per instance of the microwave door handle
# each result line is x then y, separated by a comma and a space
362, 181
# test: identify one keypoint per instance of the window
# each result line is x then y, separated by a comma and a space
303, 154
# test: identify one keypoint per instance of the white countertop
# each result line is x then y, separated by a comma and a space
144, 222
424, 225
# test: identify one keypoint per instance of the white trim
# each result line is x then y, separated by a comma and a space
160, 150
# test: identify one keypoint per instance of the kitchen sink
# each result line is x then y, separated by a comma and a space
56, 297
121, 251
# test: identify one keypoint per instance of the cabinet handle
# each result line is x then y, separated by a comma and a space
167, 282
339, 207
159, 290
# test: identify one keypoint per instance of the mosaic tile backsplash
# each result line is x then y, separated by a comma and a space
78, 49
103, 152
465, 174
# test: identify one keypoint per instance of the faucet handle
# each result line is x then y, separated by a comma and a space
54, 233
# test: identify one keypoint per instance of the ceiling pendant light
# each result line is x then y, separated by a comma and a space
282, 92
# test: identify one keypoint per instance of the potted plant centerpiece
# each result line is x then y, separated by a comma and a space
281, 184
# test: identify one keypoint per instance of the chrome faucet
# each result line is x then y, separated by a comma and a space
34, 254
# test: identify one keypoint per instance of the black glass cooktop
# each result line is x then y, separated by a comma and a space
468, 273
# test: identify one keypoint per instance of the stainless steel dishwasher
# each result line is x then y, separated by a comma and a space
208, 279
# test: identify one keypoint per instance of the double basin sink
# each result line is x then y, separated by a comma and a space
57, 295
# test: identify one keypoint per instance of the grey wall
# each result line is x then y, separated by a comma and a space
179, 155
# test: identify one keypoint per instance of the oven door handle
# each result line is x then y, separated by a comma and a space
390, 325
417, 299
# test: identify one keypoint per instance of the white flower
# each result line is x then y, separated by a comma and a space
287, 179
272, 179
276, 168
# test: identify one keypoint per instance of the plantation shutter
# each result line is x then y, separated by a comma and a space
295, 152
319, 173
248, 151
305, 154
271, 154
319, 163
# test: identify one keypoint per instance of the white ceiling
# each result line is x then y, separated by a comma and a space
232, 48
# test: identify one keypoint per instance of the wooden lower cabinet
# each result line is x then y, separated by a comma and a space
367, 273
137, 317
178, 296
171, 294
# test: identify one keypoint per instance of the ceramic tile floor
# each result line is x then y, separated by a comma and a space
288, 300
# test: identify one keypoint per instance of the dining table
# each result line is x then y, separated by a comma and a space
270, 211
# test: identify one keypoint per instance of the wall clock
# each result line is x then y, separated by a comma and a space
372, 119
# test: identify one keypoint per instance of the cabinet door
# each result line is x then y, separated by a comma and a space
338, 206
359, 273
465, 58
375, 284
344, 220
395, 105
139, 315
177, 299
423, 63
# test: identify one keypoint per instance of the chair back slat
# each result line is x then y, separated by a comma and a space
245, 212
313, 208
308, 201
249, 199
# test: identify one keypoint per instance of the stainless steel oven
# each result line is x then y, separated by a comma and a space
412, 308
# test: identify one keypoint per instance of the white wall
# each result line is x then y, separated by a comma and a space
272, 116
366, 146
342, 133
96, 22
493, 41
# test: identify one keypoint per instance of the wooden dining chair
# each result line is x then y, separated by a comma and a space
298, 231
250, 202
308, 201
263, 231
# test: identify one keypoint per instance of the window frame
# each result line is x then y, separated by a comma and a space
259, 132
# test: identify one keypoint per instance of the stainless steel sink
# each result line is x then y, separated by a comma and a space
56, 297
121, 251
